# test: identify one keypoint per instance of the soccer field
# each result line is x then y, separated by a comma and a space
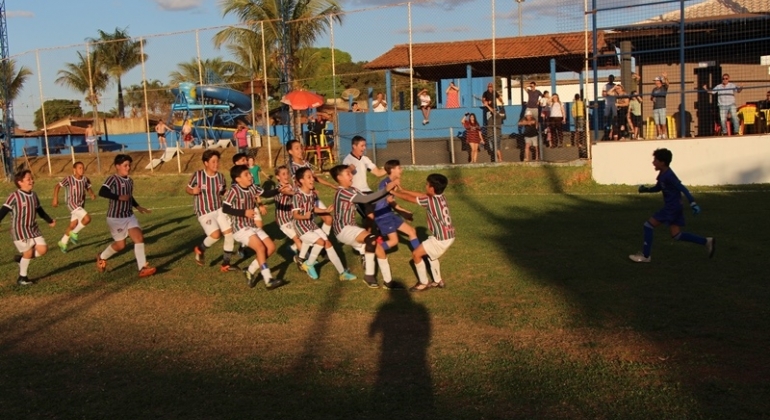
543, 316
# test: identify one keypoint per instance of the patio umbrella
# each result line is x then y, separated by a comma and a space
301, 100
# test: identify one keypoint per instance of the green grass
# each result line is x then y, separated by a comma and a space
543, 316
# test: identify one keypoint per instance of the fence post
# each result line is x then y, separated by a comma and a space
146, 108
452, 144
42, 110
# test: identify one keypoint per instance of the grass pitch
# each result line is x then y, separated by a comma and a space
543, 316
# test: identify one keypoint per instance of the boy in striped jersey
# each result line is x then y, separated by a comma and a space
240, 202
298, 161
283, 214
207, 185
440, 224
76, 186
24, 207
119, 189
304, 209
347, 232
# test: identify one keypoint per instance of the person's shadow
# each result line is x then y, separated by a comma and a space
404, 388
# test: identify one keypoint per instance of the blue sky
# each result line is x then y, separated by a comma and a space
57, 29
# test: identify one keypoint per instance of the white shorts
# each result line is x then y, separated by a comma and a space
119, 226
78, 214
243, 235
288, 230
313, 236
209, 222
348, 236
223, 221
27, 244
435, 248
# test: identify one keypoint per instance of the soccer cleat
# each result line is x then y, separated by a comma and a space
62, 247
74, 238
347, 276
640, 258
101, 264
24, 281
371, 281
199, 256
363, 260
275, 283
419, 287
147, 271
298, 261
393, 285
711, 246
251, 279
310, 270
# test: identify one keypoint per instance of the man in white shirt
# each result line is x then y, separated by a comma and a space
359, 165
726, 100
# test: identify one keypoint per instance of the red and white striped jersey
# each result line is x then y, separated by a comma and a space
75, 191
23, 207
304, 203
439, 220
242, 199
283, 206
120, 186
344, 208
212, 188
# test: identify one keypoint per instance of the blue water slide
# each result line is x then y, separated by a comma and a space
240, 101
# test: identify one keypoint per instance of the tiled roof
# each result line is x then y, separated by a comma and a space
715, 8
62, 130
474, 51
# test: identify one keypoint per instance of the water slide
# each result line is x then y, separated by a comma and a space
240, 101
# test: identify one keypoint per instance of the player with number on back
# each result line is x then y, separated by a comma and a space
672, 212
440, 224
76, 186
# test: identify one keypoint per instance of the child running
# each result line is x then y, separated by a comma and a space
672, 212
76, 186
119, 189
240, 202
439, 223
24, 207
304, 209
283, 212
388, 222
347, 232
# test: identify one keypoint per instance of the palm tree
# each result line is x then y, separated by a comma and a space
289, 25
119, 54
77, 76
215, 71
13, 79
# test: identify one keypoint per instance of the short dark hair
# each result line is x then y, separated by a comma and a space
237, 170
356, 140
663, 155
121, 158
533, 83
337, 170
209, 153
290, 143
301, 173
280, 168
75, 165
239, 156
19, 176
438, 182
389, 165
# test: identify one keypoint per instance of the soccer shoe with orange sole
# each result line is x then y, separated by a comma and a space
147, 271
199, 256
101, 265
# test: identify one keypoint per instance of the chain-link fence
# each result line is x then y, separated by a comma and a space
424, 94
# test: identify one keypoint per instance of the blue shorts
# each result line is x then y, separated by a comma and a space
670, 216
388, 223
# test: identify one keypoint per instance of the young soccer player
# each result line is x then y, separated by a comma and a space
24, 207
388, 222
119, 189
359, 165
298, 161
439, 223
76, 186
304, 209
283, 212
207, 185
672, 212
240, 202
347, 232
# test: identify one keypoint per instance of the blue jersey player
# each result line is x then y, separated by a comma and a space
672, 212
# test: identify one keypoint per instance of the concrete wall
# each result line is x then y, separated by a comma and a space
699, 161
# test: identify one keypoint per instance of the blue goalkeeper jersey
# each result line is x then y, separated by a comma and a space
672, 190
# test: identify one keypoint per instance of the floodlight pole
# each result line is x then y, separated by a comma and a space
519, 2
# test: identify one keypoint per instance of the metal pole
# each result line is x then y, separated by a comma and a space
178, 154
91, 91
587, 128
411, 83
202, 98
495, 118
682, 111
252, 74
334, 89
520, 2
146, 108
42, 108
452, 144
595, 37
265, 97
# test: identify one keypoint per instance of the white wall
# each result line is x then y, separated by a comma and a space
697, 161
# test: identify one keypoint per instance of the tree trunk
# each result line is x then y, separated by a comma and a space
121, 105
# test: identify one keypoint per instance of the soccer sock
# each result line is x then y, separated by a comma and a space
331, 254
266, 273
314, 254
369, 263
415, 243
422, 272
326, 229
303, 251
647, 247
385, 269
435, 270
293, 248
207, 242
79, 227
108, 252
65, 239
23, 266
254, 266
229, 243
690, 237
141, 258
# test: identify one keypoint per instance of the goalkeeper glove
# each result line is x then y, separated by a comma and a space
695, 208
643, 189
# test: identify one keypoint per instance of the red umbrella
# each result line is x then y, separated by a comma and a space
302, 99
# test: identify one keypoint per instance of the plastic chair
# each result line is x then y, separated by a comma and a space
747, 114
319, 153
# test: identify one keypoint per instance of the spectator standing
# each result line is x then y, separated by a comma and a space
161, 128
622, 102
452, 96
726, 100
545, 114
187, 133
557, 120
472, 134
533, 99
658, 98
529, 126
91, 138
610, 107
425, 102
379, 104
579, 115
241, 137
635, 114
356, 108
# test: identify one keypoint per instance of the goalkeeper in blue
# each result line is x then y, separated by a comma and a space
672, 212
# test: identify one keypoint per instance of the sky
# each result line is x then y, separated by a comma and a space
49, 33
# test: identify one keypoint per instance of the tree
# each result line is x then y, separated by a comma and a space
215, 71
159, 100
119, 54
12, 78
319, 81
56, 109
78, 77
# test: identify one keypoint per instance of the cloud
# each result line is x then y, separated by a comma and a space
443, 4
177, 5
19, 14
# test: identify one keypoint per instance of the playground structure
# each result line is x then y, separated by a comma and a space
213, 110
